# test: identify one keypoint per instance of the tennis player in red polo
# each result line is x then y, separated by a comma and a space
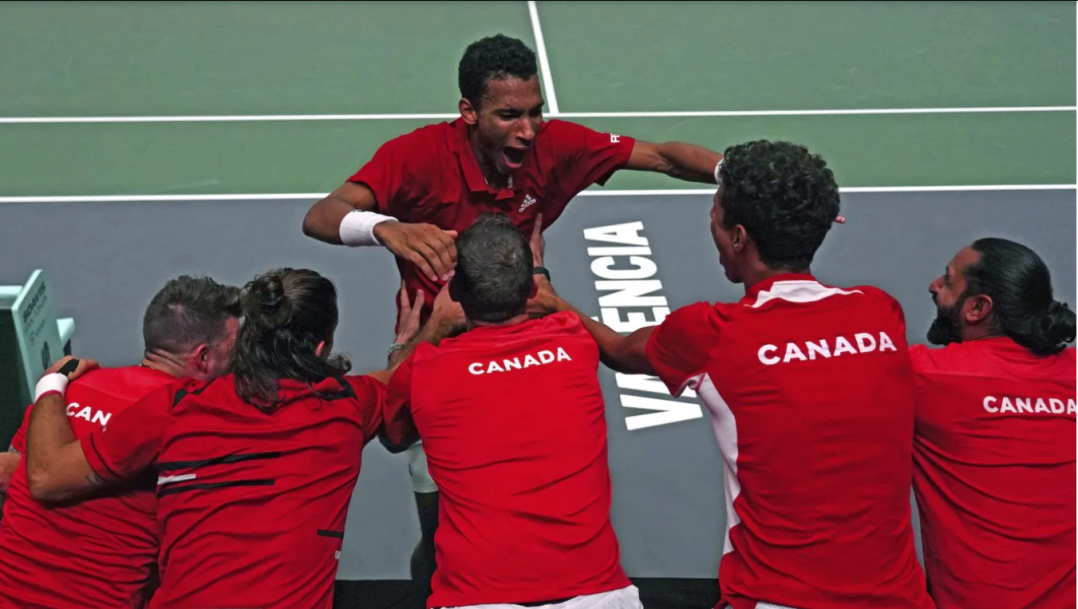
995, 440
422, 188
102, 552
255, 469
513, 422
499, 156
810, 392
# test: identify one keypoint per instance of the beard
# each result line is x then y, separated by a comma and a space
947, 327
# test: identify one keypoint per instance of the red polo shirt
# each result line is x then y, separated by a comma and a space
514, 426
431, 176
810, 392
97, 552
251, 504
994, 474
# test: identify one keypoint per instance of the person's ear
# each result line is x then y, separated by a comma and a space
739, 239
468, 112
977, 309
200, 358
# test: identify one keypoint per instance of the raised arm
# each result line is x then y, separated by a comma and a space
679, 160
323, 219
626, 354
56, 468
60, 467
619, 353
347, 216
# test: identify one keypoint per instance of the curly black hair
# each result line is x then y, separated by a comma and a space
784, 196
495, 57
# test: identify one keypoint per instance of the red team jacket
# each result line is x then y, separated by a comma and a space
810, 392
995, 474
251, 505
97, 552
513, 424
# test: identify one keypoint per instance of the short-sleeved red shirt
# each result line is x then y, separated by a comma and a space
994, 474
431, 176
514, 428
251, 503
99, 552
810, 393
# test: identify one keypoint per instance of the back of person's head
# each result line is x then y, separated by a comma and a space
191, 321
1020, 287
495, 57
785, 197
290, 316
493, 277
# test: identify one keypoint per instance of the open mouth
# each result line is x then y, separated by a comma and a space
514, 157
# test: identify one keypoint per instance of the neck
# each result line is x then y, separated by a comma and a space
164, 362
523, 317
978, 332
486, 165
758, 272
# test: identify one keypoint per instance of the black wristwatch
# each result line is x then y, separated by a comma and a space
541, 271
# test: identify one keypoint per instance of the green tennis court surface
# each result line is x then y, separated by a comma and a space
120, 115
986, 92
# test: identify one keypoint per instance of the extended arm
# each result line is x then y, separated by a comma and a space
626, 354
347, 217
678, 160
56, 468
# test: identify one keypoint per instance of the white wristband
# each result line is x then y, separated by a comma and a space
54, 381
357, 227
718, 166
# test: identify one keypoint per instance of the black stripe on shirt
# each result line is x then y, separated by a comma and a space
209, 486
326, 533
174, 465
182, 393
93, 445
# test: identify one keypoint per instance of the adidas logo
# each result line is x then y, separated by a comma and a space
528, 202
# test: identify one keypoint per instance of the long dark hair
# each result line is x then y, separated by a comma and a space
1020, 286
287, 312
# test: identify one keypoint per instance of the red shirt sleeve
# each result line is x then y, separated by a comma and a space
132, 440
371, 395
588, 156
400, 428
680, 347
398, 174
19, 441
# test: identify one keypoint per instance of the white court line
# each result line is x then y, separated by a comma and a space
310, 196
253, 118
544, 62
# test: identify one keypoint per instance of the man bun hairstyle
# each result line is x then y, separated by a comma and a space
1017, 281
287, 313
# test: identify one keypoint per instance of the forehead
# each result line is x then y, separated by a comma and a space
513, 92
963, 259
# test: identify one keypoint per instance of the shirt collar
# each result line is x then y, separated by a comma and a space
767, 284
473, 174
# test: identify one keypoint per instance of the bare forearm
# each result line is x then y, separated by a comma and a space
689, 162
48, 433
623, 354
432, 332
323, 220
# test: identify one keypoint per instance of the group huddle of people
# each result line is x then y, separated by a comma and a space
217, 472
